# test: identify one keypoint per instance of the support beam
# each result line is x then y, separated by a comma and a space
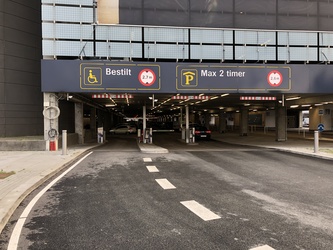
281, 124
244, 121
51, 113
79, 122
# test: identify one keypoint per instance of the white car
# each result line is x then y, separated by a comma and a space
123, 129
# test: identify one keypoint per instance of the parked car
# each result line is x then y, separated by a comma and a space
123, 129
201, 132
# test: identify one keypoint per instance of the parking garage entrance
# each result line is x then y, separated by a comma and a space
134, 89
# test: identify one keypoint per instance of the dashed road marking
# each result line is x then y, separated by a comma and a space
165, 184
147, 160
201, 211
265, 247
152, 169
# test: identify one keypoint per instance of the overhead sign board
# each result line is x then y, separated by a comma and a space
231, 78
77, 76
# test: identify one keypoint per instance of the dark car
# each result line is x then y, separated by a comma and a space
201, 132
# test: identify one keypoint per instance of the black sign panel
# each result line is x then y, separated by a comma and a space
209, 78
127, 77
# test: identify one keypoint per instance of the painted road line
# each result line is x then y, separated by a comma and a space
200, 210
147, 160
152, 169
165, 184
15, 236
265, 247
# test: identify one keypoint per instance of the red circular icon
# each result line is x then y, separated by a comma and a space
147, 77
274, 78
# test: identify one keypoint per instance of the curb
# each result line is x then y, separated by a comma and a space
28, 191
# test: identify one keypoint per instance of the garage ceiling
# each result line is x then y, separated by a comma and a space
165, 104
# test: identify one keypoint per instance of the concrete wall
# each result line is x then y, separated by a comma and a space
21, 100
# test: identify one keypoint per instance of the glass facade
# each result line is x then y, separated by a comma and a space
69, 32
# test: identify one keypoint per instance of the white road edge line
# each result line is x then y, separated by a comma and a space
200, 210
152, 169
165, 184
147, 160
265, 247
15, 236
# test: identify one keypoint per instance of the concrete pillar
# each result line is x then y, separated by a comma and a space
107, 121
51, 113
144, 123
244, 120
187, 124
93, 128
79, 122
281, 124
222, 122
181, 118
207, 120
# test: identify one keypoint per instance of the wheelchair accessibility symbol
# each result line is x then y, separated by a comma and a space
92, 76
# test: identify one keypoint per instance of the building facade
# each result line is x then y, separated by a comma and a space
21, 101
214, 31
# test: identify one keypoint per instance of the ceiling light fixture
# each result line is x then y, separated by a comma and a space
293, 98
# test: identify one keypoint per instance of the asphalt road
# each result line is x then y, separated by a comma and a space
211, 195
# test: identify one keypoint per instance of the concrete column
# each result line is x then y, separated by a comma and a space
222, 122
51, 113
244, 120
281, 124
181, 118
207, 120
187, 124
93, 129
79, 122
144, 123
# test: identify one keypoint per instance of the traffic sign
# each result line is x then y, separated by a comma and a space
274, 78
147, 77
320, 127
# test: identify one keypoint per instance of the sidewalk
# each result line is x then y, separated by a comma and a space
296, 142
32, 168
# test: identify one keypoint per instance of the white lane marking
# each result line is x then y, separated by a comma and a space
165, 184
14, 238
200, 210
152, 169
265, 247
147, 160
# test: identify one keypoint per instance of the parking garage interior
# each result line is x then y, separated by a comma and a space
218, 112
